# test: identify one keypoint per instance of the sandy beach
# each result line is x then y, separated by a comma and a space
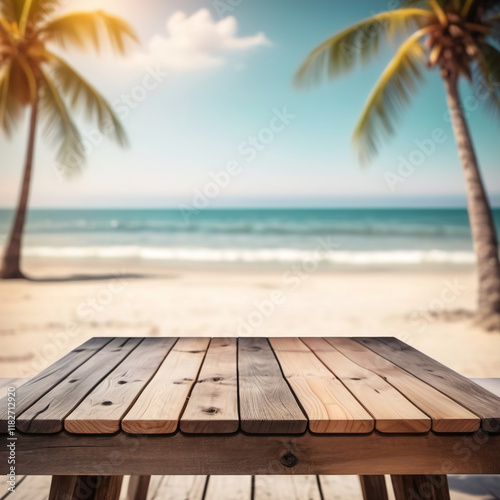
63, 305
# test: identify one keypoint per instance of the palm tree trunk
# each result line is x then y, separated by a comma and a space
481, 220
11, 260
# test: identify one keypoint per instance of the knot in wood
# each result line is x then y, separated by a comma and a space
289, 459
211, 410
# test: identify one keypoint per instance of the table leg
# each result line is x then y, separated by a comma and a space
85, 488
373, 487
62, 487
420, 487
138, 487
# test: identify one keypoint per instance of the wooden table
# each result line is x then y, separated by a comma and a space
143, 406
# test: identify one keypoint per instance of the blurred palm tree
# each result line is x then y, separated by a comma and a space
462, 39
32, 76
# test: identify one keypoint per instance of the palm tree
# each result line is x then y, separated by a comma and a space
33, 76
462, 39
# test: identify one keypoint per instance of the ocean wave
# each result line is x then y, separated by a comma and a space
266, 228
258, 255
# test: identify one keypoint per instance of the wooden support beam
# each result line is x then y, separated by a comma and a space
420, 487
373, 487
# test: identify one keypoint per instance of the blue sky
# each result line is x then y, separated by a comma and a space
214, 87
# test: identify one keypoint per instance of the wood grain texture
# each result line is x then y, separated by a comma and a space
48, 413
286, 488
160, 405
267, 404
391, 410
36, 387
85, 488
329, 406
373, 487
459, 388
240, 453
213, 404
229, 488
102, 410
446, 414
96, 488
62, 487
416, 487
138, 487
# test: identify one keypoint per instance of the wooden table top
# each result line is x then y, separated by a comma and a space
254, 385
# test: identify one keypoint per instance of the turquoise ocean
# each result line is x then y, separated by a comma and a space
333, 238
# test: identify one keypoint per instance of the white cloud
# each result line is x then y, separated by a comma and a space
196, 42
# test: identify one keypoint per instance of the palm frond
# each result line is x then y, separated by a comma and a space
60, 128
84, 29
358, 43
425, 3
31, 84
488, 75
466, 8
393, 90
439, 10
11, 10
11, 109
27, 13
35, 12
81, 93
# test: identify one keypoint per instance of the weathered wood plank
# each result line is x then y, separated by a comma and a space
38, 386
229, 488
177, 488
95, 488
160, 405
267, 404
62, 487
286, 488
329, 406
48, 413
241, 453
213, 404
85, 487
410, 487
138, 487
391, 410
446, 414
102, 410
373, 487
459, 388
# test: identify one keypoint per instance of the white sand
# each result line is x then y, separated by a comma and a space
41, 320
